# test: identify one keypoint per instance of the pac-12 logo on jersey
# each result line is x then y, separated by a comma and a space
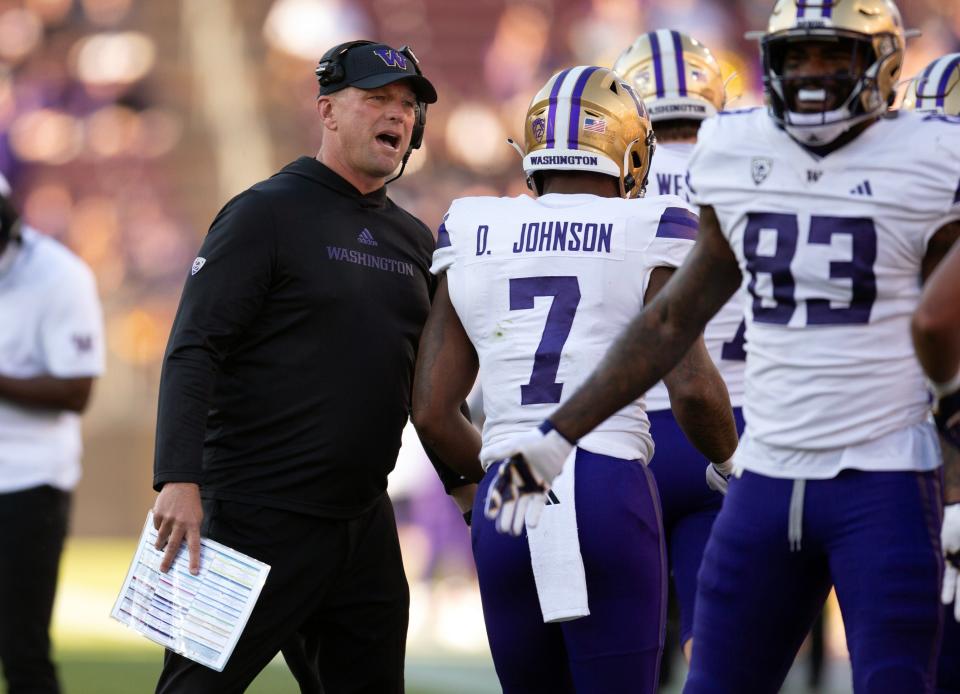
760, 168
198, 263
83, 343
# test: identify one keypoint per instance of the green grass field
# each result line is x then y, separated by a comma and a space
96, 655
132, 671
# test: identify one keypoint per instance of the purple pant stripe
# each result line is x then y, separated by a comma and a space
655, 497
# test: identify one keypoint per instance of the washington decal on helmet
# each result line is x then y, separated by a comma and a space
674, 74
586, 118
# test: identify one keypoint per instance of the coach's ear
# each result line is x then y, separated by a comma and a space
326, 108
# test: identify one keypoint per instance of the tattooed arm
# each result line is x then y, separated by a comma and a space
698, 395
656, 340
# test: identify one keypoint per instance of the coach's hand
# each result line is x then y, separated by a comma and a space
177, 514
718, 476
950, 539
532, 461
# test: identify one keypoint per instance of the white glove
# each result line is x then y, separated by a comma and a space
718, 476
532, 461
950, 540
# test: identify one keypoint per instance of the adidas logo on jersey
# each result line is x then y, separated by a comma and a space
862, 189
366, 237
551, 499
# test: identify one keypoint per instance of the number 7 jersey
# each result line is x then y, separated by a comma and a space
544, 286
831, 251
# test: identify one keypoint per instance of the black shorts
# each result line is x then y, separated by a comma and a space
335, 602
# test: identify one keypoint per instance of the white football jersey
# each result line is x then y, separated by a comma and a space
544, 286
830, 250
724, 333
50, 324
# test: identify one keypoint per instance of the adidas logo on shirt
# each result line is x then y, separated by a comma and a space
366, 238
862, 189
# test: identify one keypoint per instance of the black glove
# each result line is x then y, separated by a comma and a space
946, 413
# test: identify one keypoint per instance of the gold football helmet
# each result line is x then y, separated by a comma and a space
937, 88
674, 74
586, 118
874, 31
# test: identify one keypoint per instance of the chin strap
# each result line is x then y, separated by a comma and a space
530, 184
819, 133
627, 182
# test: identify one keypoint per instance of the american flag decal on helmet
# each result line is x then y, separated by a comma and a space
594, 125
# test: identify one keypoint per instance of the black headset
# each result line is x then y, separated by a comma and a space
330, 71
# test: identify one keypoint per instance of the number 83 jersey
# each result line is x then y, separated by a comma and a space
544, 286
831, 251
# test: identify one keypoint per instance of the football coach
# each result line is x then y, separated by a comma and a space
286, 383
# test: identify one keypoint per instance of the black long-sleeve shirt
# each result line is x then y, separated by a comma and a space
287, 378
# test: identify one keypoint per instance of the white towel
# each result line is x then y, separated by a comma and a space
555, 553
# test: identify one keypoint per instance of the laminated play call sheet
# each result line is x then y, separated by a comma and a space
200, 617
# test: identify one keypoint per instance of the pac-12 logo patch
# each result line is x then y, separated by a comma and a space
539, 127
198, 263
760, 169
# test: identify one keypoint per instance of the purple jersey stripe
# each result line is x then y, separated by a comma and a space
443, 238
944, 80
678, 55
801, 8
922, 82
657, 65
678, 223
552, 107
827, 10
573, 131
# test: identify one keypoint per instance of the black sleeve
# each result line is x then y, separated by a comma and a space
224, 292
450, 478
